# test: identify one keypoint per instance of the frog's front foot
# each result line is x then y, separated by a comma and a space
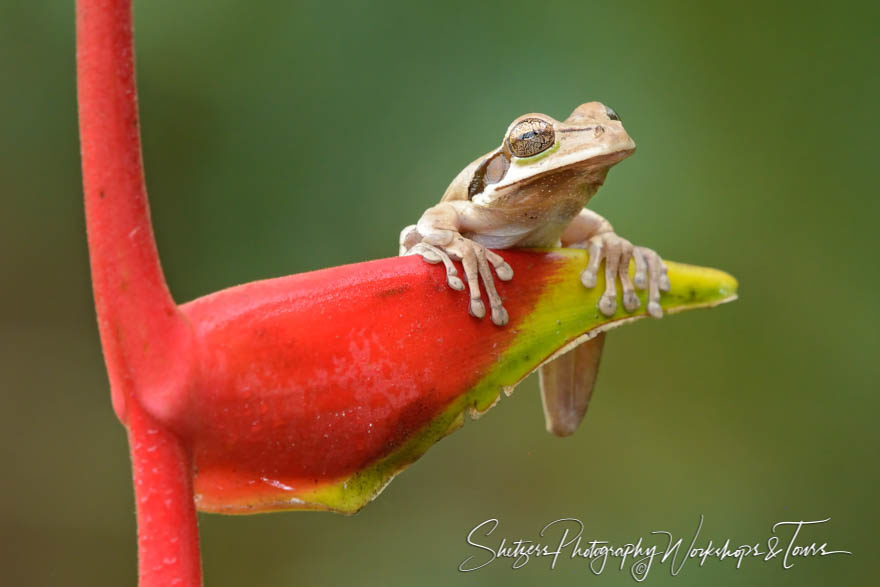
650, 273
475, 260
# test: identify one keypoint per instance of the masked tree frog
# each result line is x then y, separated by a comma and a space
531, 192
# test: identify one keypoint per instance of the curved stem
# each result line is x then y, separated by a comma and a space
144, 335
137, 317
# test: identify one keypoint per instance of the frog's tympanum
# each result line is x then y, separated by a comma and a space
531, 192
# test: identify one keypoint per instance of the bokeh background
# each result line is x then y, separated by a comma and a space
282, 137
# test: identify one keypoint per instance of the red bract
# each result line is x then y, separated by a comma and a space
303, 392
312, 391
305, 381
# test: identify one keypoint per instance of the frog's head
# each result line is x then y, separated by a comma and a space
539, 150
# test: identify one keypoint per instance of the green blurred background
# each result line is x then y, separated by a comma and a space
282, 137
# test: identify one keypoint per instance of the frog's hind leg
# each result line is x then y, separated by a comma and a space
567, 385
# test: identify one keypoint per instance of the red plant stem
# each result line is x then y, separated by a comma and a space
143, 333
168, 535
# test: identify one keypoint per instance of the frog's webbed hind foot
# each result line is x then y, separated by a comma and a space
475, 260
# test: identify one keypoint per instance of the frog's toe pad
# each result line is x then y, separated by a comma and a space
454, 282
588, 278
499, 316
608, 305
631, 301
427, 252
504, 272
477, 309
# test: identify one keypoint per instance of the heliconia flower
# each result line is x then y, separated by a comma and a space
303, 392
312, 391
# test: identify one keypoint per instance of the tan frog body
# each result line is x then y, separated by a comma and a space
531, 192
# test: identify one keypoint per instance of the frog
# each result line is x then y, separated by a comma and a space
531, 192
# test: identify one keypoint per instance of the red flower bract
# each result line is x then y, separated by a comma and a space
310, 378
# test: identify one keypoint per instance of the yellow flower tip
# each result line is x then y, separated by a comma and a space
697, 287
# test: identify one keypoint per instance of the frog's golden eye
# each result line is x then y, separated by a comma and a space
530, 137
611, 113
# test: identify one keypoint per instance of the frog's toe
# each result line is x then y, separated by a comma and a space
656, 278
499, 315
641, 275
454, 282
608, 301
477, 308
588, 278
631, 301
427, 252
664, 281
608, 304
502, 269
596, 252
504, 272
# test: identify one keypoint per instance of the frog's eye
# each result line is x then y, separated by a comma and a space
530, 137
611, 113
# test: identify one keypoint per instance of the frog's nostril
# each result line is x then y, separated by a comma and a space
611, 113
